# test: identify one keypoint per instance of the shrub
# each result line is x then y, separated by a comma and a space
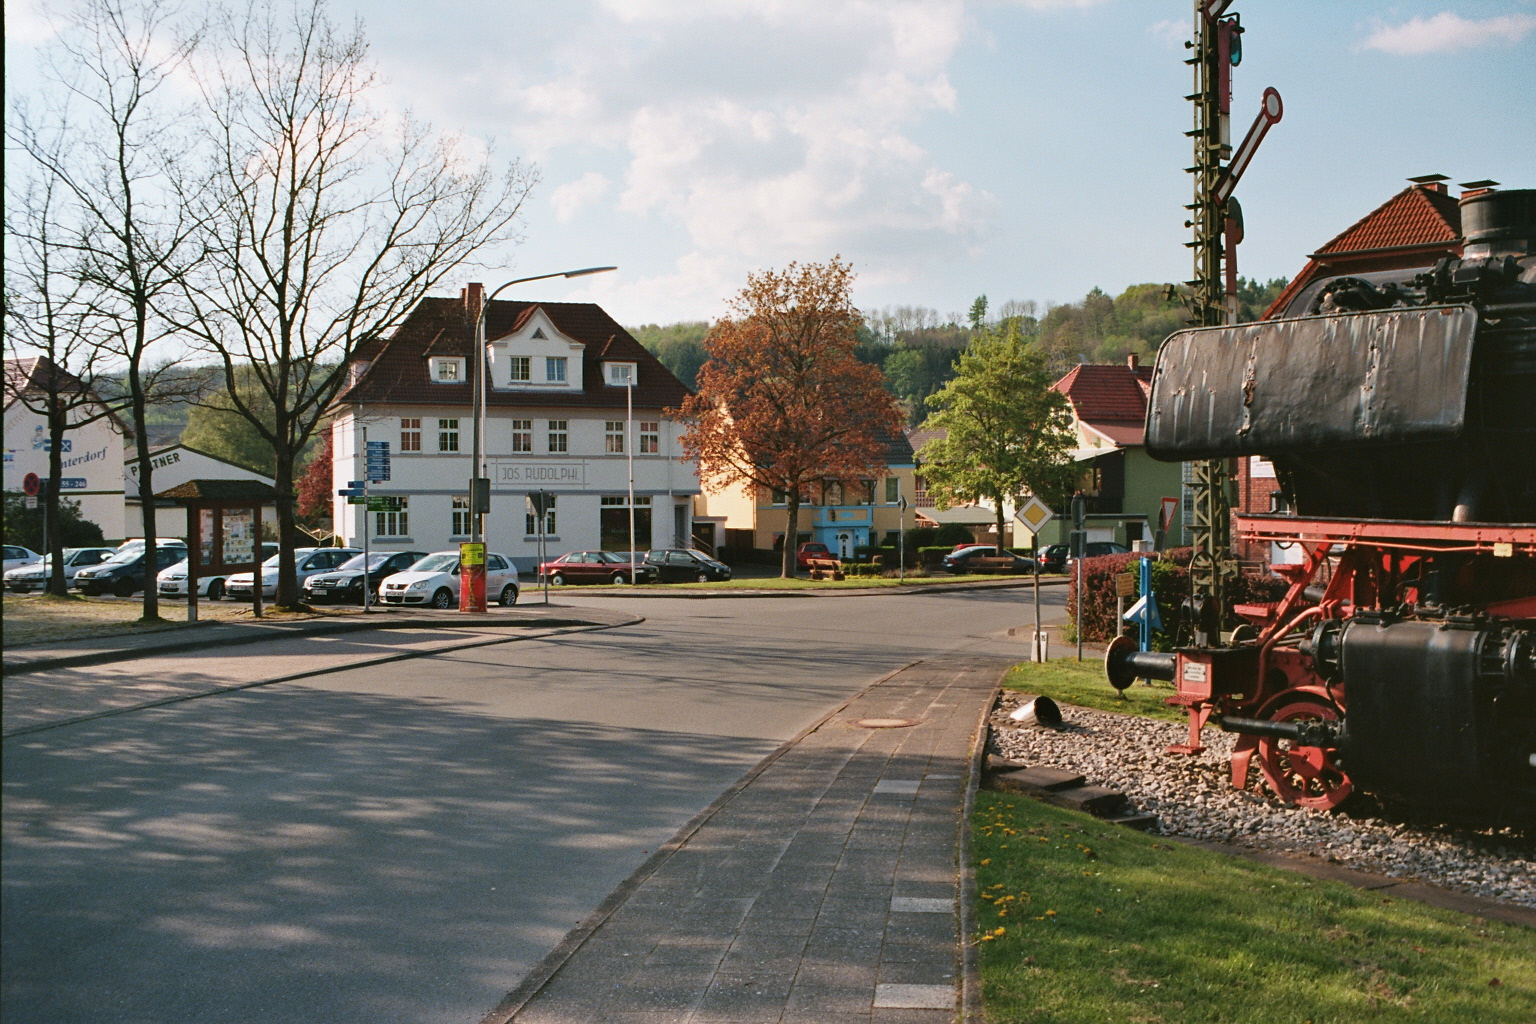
951, 534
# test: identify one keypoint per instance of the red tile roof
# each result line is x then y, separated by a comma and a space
396, 368
1418, 215
1110, 398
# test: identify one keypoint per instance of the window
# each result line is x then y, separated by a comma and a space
620, 374
447, 371
520, 368
866, 492
614, 439
650, 437
554, 369
462, 521
780, 497
614, 522
392, 524
522, 435
531, 520
448, 435
892, 490
559, 436
410, 434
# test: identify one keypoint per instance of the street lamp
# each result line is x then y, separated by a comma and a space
629, 448
479, 477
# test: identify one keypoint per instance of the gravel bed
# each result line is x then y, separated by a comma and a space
1192, 797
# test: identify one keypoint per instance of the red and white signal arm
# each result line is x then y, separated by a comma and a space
31, 484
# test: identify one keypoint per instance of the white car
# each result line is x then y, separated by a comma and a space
16, 555
307, 562
172, 581
34, 576
434, 581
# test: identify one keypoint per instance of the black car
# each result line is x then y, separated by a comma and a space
1054, 558
960, 561
124, 573
686, 565
345, 582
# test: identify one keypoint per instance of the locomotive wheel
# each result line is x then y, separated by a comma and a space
1305, 776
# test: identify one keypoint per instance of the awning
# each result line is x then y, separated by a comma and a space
1084, 454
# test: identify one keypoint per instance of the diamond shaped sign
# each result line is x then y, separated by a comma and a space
1034, 514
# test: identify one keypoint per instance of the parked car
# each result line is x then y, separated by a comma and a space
126, 572
345, 582
686, 565
16, 555
809, 550
960, 561
173, 579
34, 575
307, 562
1054, 558
596, 567
1095, 548
434, 581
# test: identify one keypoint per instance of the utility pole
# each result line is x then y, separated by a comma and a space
1217, 222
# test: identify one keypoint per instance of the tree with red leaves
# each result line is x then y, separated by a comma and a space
316, 484
783, 403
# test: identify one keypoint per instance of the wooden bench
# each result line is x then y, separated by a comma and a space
825, 568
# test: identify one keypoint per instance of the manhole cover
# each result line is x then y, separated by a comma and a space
885, 723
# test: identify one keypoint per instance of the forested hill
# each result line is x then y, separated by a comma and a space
917, 347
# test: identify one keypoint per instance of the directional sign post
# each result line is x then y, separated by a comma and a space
1034, 514
378, 461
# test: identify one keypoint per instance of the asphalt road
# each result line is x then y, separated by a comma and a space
404, 842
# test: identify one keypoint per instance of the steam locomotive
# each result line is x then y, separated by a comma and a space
1399, 412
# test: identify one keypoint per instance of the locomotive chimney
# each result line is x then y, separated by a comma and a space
1498, 223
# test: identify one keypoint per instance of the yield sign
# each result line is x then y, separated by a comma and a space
1034, 514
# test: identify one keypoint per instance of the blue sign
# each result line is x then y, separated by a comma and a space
72, 483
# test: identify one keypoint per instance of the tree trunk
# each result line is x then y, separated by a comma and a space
791, 534
287, 596
146, 493
1002, 521
53, 521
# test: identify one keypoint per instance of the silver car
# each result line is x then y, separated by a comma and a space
35, 576
307, 561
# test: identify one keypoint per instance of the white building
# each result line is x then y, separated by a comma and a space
573, 405
173, 466
93, 451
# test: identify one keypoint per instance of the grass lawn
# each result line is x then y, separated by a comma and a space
1069, 681
1083, 921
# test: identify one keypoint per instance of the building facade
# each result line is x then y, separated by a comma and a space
93, 451
574, 407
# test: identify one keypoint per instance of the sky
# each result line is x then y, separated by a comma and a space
1018, 149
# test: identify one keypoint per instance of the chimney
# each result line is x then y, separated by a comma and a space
1431, 182
1130, 361
473, 298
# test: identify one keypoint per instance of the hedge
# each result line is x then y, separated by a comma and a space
1170, 587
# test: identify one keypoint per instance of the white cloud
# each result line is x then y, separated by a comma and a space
1172, 35
568, 199
1446, 32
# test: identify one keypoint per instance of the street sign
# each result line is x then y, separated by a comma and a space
354, 483
383, 504
1034, 514
355, 491
31, 484
356, 499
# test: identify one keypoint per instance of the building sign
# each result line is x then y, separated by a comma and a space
540, 474
72, 483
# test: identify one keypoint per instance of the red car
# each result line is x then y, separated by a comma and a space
595, 567
810, 550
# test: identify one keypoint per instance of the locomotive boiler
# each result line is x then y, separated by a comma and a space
1399, 412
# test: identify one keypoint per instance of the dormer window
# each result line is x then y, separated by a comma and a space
519, 369
447, 369
554, 369
620, 374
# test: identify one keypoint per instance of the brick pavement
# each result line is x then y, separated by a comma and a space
829, 886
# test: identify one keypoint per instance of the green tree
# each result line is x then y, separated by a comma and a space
216, 427
24, 526
1004, 431
679, 346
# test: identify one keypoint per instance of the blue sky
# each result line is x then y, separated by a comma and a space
1021, 149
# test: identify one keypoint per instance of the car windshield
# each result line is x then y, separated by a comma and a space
180, 566
696, 553
270, 563
614, 556
443, 561
124, 557
373, 560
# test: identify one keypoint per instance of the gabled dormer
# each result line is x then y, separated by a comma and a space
535, 357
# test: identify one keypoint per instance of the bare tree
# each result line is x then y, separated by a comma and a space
326, 223
107, 137
48, 314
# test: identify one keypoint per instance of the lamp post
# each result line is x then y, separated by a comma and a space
479, 480
629, 450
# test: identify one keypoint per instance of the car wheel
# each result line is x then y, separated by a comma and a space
508, 596
557, 579
216, 590
619, 579
443, 599
123, 588
703, 577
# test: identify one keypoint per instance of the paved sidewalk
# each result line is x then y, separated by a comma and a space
829, 886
